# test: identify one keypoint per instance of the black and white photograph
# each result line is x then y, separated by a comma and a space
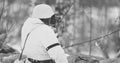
59, 31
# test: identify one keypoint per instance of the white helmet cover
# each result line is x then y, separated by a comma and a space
42, 11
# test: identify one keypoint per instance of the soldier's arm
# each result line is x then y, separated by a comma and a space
55, 51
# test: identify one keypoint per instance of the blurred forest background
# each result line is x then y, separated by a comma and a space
91, 27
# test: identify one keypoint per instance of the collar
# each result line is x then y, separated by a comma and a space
32, 20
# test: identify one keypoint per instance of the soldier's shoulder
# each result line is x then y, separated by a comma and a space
45, 28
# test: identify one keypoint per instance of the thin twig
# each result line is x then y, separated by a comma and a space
93, 39
2, 9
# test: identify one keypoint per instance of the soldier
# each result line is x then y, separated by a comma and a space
42, 45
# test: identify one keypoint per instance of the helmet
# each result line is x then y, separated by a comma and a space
42, 11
